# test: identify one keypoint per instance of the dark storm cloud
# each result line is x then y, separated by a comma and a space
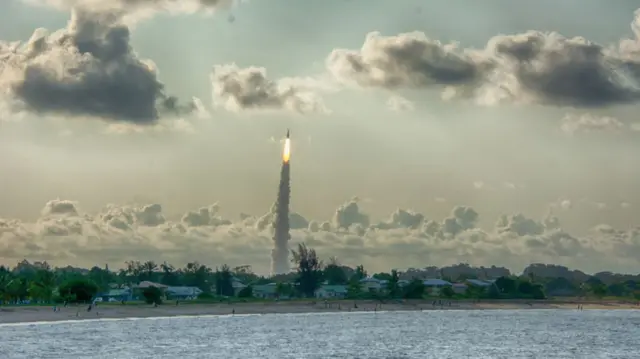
88, 69
538, 67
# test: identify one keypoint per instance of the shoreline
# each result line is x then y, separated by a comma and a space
39, 314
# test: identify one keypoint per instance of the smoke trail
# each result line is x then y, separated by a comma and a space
281, 237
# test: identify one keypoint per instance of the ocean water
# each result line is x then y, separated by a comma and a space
452, 334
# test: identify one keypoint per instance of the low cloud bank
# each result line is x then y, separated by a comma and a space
64, 234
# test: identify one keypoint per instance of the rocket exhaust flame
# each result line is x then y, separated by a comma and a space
286, 154
281, 236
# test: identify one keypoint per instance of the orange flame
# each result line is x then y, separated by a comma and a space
286, 154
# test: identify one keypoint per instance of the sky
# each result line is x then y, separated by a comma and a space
492, 133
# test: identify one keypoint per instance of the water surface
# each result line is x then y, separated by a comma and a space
431, 334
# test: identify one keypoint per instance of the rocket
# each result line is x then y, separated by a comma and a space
287, 133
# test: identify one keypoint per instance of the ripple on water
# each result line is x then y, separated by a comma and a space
433, 334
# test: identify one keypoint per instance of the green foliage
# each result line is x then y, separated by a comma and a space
152, 295
506, 285
599, 290
284, 289
475, 292
224, 282
515, 288
414, 290
335, 275
447, 292
562, 286
618, 290
309, 268
354, 290
359, 274
493, 292
78, 290
393, 289
42, 284
246, 292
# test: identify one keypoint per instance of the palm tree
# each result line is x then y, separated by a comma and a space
149, 268
168, 274
5, 279
42, 287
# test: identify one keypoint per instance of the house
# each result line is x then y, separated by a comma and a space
435, 285
182, 293
147, 284
116, 295
237, 286
459, 288
371, 284
265, 290
479, 283
331, 291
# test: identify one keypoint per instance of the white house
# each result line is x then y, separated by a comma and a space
331, 291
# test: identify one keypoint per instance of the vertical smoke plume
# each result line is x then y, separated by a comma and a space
281, 237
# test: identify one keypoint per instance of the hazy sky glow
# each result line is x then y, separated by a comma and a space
457, 113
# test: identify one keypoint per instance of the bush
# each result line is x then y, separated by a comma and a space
246, 292
78, 290
447, 292
152, 295
206, 296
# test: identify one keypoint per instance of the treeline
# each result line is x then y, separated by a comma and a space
41, 283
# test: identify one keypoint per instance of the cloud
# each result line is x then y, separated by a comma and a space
240, 89
64, 234
400, 104
138, 9
88, 69
586, 123
532, 67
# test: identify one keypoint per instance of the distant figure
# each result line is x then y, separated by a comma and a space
233, 311
89, 308
177, 302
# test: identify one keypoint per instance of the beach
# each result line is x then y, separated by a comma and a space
27, 314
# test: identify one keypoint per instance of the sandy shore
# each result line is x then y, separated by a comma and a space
27, 314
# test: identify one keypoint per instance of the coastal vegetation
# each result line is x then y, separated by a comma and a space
38, 282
